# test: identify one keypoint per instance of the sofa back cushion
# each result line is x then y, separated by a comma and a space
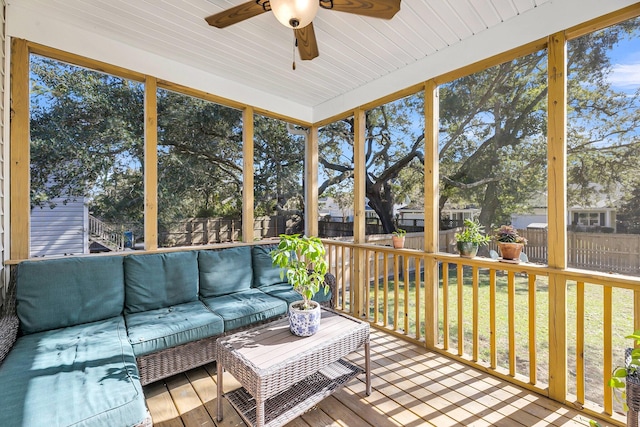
264, 272
63, 292
225, 271
160, 280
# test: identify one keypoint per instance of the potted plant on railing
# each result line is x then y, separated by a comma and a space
398, 238
471, 238
627, 379
305, 265
510, 243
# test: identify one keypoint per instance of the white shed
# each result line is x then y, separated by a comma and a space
62, 230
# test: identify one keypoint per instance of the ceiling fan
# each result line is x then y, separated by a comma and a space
298, 14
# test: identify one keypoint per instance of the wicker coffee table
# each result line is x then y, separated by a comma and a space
282, 375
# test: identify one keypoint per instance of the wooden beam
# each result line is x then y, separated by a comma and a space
311, 183
431, 211
85, 62
510, 55
248, 234
604, 21
359, 220
557, 216
557, 151
19, 190
196, 93
150, 164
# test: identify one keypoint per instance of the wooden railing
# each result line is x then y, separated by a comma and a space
498, 317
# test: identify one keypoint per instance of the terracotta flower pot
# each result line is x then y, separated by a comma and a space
510, 250
398, 241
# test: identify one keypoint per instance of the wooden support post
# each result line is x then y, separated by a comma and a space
557, 219
20, 206
248, 234
431, 212
150, 164
359, 220
311, 183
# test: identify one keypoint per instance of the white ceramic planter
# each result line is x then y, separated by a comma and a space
304, 323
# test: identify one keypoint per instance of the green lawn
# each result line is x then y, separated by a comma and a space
594, 334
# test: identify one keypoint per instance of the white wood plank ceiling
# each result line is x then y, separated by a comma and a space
360, 57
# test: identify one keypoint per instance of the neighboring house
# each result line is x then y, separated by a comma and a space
63, 230
328, 208
459, 214
534, 219
592, 217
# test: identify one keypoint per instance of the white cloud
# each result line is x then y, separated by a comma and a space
625, 75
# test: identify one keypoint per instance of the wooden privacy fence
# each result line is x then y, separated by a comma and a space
204, 231
558, 333
606, 252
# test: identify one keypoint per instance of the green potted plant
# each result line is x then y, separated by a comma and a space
627, 380
398, 238
509, 242
471, 238
304, 264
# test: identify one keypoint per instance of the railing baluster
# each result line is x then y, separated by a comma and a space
416, 266
580, 343
342, 273
492, 319
608, 349
445, 305
533, 367
396, 291
476, 338
367, 282
460, 284
406, 281
385, 280
511, 286
376, 284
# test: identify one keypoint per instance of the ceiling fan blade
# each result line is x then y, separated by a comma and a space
307, 44
385, 9
238, 13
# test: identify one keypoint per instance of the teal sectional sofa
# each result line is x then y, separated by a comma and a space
94, 330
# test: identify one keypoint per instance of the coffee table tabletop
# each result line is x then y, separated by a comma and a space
270, 362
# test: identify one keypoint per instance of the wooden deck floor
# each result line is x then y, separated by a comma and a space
411, 387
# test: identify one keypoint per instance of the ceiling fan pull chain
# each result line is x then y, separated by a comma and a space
295, 45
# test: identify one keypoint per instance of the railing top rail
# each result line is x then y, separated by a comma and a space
595, 277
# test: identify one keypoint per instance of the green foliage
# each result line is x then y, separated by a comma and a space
473, 232
493, 131
509, 234
86, 139
400, 232
394, 156
279, 169
305, 264
620, 373
87, 133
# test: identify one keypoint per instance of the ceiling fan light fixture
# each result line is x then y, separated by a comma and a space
294, 13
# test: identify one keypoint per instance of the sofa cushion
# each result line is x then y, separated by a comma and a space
285, 291
63, 292
264, 272
160, 280
244, 308
159, 329
224, 271
82, 375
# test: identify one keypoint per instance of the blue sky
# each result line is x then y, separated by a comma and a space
626, 65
